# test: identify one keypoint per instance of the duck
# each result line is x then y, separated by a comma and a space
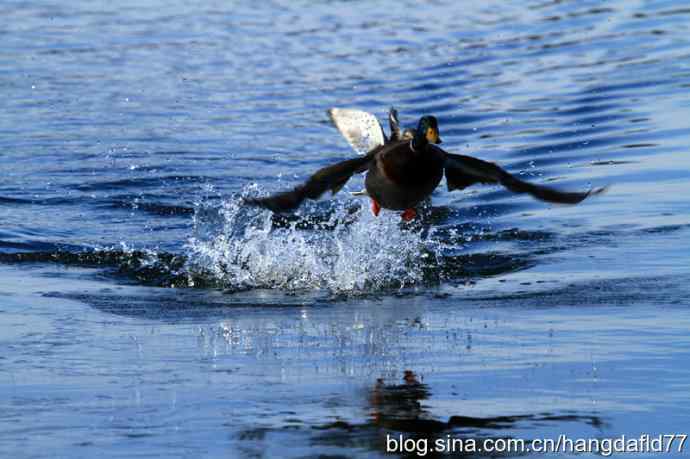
402, 173
363, 131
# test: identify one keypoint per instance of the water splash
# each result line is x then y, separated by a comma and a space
348, 251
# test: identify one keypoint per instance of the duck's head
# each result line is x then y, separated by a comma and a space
427, 131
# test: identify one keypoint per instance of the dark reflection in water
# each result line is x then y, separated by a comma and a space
398, 417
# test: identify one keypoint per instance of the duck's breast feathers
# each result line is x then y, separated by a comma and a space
406, 167
400, 178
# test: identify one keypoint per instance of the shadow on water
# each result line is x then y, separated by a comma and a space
174, 305
338, 253
335, 247
162, 269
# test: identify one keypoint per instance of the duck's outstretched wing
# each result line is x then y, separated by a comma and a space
361, 129
463, 171
331, 178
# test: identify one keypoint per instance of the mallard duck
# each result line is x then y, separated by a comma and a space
363, 131
402, 173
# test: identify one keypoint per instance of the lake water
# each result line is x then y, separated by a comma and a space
146, 313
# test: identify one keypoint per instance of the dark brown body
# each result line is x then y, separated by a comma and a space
399, 178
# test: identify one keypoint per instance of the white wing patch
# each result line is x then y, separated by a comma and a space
361, 129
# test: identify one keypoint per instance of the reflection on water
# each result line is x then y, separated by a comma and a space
398, 417
274, 373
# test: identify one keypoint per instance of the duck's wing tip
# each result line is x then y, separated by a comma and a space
588, 194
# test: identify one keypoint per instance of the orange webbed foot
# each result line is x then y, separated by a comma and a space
375, 208
409, 215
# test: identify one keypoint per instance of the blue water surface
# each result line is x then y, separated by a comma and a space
146, 312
